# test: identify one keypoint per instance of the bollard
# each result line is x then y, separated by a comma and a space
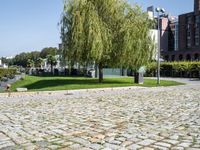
8, 87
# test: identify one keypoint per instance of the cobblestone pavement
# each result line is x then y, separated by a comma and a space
123, 118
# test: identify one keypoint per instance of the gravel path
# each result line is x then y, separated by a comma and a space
121, 118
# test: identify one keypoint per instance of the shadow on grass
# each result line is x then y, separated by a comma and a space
42, 84
50, 75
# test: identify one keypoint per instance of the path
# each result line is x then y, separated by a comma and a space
122, 118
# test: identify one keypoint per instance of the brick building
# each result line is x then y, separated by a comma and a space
188, 37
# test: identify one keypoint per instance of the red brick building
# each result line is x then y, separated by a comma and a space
188, 37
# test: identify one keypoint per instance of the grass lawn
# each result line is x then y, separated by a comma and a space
35, 83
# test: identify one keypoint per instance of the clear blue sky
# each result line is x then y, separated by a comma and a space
27, 25
173, 7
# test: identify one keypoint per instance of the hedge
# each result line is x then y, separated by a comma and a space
9, 73
182, 68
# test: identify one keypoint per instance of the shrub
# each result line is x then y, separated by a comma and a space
9, 73
176, 68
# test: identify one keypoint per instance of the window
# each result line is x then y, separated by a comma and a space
196, 57
166, 57
196, 40
176, 37
173, 57
181, 57
189, 19
188, 38
196, 28
188, 57
189, 22
197, 19
188, 41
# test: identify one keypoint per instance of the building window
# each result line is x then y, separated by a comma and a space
189, 22
196, 40
188, 38
173, 58
197, 22
166, 57
188, 57
189, 19
180, 57
196, 57
188, 42
176, 37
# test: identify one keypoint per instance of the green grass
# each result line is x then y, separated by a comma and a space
35, 83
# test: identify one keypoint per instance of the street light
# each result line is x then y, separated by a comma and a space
162, 11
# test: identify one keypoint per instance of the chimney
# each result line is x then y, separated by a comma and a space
196, 6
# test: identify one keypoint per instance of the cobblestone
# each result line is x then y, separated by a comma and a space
173, 142
163, 144
122, 118
185, 145
134, 147
146, 142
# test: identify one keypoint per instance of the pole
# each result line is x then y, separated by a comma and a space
158, 58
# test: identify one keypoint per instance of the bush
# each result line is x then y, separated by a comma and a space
151, 69
176, 69
8, 73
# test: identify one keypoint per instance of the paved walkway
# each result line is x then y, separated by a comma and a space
123, 118
10, 81
190, 81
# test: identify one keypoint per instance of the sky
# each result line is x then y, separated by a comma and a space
29, 25
173, 7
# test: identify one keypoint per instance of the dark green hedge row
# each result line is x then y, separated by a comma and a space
7, 72
174, 68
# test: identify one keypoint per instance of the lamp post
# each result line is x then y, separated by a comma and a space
162, 11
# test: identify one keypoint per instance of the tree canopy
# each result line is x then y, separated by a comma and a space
52, 61
108, 32
48, 51
30, 59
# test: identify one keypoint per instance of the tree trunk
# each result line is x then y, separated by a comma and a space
71, 67
100, 72
135, 77
96, 74
85, 71
51, 68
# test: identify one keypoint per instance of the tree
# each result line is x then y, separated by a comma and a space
138, 47
52, 61
109, 32
22, 58
39, 62
30, 63
48, 51
8, 61
35, 55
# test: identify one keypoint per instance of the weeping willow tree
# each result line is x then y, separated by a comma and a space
107, 32
138, 46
